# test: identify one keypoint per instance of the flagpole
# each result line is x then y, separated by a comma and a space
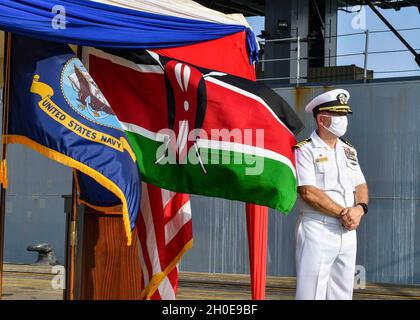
71, 234
5, 116
257, 226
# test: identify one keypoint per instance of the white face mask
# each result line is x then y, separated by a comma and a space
338, 126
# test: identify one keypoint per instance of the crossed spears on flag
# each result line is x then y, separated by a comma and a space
186, 109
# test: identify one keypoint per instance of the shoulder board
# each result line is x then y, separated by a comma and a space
302, 143
347, 143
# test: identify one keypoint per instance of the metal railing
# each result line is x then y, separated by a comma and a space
299, 40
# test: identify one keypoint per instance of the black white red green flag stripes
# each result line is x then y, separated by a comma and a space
200, 131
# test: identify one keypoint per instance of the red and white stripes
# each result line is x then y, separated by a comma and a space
164, 228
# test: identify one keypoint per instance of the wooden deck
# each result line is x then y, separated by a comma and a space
25, 282
229, 286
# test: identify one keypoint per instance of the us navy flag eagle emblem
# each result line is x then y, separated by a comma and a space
57, 109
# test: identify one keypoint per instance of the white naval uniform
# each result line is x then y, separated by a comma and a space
325, 250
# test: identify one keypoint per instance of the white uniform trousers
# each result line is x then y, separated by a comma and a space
325, 258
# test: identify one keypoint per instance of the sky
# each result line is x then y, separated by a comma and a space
355, 22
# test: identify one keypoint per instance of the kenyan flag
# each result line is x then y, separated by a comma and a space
200, 131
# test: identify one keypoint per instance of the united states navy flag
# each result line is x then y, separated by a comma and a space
57, 109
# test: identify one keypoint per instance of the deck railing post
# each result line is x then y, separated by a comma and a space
298, 61
366, 53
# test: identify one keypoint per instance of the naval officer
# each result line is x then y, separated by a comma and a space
333, 198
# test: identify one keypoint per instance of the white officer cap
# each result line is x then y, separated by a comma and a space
332, 101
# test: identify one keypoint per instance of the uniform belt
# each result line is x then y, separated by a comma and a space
322, 217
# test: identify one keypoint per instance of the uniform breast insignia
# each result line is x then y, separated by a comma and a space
321, 159
302, 143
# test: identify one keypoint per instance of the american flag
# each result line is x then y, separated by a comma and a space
164, 228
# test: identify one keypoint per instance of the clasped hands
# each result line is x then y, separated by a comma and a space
350, 217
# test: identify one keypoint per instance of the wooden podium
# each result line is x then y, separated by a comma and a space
105, 268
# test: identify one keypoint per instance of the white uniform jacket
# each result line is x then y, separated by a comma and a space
335, 171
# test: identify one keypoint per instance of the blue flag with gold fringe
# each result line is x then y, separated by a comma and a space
56, 108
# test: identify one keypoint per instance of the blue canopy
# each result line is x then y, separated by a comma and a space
96, 24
